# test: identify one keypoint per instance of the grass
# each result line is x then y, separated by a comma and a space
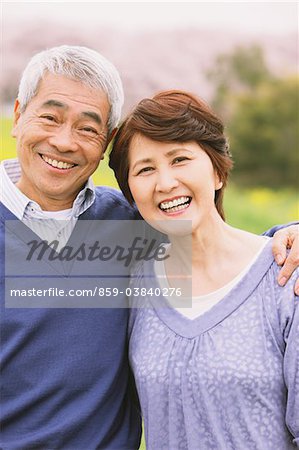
258, 209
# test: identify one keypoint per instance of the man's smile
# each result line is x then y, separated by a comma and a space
57, 163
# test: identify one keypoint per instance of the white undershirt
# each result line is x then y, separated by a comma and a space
64, 214
203, 303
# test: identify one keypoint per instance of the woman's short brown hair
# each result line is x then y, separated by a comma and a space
173, 116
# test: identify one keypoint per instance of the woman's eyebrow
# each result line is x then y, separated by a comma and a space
142, 161
177, 150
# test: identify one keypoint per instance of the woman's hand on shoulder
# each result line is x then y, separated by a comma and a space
287, 238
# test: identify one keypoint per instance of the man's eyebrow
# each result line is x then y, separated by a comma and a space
55, 103
92, 115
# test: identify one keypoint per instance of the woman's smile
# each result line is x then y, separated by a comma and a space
175, 205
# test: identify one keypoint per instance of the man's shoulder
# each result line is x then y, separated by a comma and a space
113, 202
110, 193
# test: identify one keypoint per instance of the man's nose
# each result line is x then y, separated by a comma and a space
63, 139
166, 181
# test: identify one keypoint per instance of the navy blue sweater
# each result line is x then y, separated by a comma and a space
65, 381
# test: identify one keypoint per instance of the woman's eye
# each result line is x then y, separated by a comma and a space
145, 169
180, 159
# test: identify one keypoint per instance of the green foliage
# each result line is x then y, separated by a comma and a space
264, 135
241, 70
262, 114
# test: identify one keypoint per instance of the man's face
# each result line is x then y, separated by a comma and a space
61, 137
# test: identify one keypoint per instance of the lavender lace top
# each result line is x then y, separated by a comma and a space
227, 380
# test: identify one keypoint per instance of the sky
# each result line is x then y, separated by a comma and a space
251, 17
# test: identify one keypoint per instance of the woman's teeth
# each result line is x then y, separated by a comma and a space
55, 163
175, 205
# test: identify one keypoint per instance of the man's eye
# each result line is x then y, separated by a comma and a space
90, 130
49, 118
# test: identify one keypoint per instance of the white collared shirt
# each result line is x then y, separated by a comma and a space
49, 225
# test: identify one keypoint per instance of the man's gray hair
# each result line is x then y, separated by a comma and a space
79, 63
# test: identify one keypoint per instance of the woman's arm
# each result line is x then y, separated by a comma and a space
291, 365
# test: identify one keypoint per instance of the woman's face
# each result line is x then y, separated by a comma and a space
172, 181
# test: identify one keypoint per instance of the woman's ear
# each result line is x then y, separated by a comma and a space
218, 182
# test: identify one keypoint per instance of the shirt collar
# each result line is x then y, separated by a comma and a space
18, 203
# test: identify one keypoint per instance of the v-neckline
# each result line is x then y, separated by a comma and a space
190, 328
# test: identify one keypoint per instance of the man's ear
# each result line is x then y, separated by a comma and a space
17, 114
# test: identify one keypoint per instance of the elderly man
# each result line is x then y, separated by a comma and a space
65, 375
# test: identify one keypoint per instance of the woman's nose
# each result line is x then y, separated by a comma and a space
166, 181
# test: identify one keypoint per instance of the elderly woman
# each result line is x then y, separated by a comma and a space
223, 373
